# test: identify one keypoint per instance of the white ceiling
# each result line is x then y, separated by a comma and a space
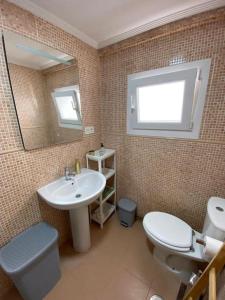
103, 22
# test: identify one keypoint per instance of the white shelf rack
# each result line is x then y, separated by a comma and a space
108, 209
108, 173
104, 209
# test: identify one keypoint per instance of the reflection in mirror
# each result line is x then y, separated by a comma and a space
45, 86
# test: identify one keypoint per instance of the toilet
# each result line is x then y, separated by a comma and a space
175, 242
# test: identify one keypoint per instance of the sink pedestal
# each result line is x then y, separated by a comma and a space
79, 220
75, 196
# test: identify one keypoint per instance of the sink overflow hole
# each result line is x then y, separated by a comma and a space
78, 195
219, 208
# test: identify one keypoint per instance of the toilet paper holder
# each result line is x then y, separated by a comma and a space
207, 280
201, 242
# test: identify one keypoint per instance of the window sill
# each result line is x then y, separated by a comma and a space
194, 134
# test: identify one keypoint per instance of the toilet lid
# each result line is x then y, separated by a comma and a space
168, 229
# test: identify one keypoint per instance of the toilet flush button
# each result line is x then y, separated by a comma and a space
155, 297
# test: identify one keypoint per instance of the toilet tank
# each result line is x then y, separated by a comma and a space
214, 225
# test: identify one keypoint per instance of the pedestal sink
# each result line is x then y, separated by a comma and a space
75, 195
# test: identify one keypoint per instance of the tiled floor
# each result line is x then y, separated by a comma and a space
119, 266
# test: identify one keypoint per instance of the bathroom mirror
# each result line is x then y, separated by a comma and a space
45, 87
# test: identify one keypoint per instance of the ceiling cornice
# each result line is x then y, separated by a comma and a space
162, 21
44, 14
51, 18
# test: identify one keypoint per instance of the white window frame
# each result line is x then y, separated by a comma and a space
71, 88
63, 122
75, 93
196, 76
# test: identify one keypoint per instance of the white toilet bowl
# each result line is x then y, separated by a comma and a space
175, 244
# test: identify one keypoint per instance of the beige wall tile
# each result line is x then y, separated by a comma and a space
176, 176
17, 19
22, 173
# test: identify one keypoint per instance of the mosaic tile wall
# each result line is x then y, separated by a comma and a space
23, 172
176, 176
38, 120
171, 175
57, 77
29, 88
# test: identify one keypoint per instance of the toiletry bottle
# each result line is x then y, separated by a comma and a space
77, 166
102, 150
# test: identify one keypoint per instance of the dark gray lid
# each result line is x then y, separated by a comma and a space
127, 204
22, 250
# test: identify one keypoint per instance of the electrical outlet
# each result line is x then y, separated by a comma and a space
89, 130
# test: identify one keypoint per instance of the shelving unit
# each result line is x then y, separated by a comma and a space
106, 203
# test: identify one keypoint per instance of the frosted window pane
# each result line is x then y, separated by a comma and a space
66, 108
161, 103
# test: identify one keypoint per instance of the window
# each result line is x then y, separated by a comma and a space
74, 88
169, 101
67, 108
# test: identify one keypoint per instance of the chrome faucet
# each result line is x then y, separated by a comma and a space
69, 175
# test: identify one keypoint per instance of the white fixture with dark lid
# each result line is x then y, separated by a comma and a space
177, 244
127, 211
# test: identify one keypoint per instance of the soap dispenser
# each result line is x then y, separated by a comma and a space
102, 150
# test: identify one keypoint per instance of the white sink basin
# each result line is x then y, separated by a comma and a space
69, 194
75, 195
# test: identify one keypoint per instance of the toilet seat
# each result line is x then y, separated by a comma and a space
168, 230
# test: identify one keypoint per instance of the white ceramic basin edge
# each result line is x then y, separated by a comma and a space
65, 194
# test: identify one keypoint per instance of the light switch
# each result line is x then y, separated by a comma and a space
89, 130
